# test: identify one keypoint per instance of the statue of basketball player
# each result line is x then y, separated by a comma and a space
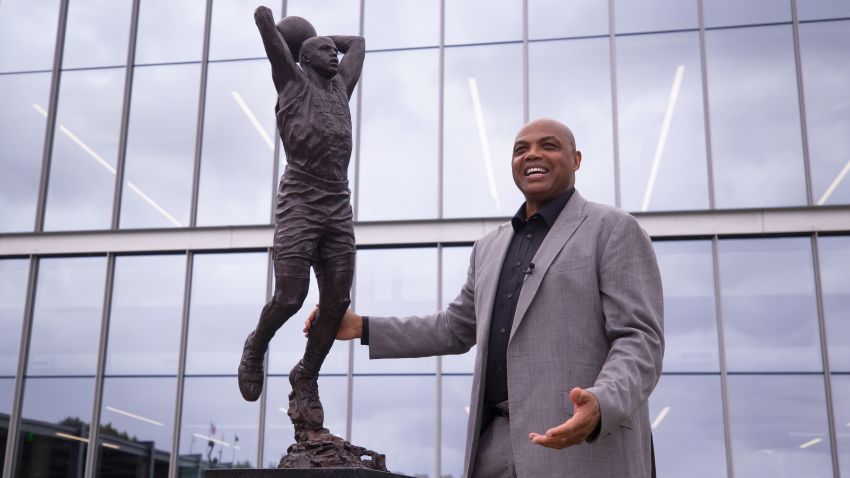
313, 218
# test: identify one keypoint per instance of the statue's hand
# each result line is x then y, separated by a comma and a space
350, 328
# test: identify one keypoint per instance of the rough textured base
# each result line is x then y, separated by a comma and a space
330, 451
295, 473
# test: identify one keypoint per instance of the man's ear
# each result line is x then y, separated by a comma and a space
577, 160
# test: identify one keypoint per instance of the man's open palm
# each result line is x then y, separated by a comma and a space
576, 429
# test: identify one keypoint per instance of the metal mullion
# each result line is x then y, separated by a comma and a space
174, 464
359, 123
261, 432
525, 74
709, 162
125, 116
20, 375
827, 377
615, 127
438, 389
50, 127
349, 376
202, 98
441, 88
94, 429
721, 346
798, 67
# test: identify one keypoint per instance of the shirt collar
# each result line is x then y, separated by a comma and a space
549, 212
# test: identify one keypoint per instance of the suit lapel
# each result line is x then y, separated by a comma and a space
489, 278
565, 226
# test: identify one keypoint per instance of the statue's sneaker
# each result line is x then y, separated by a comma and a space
251, 370
305, 409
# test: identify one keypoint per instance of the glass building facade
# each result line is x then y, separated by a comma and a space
140, 161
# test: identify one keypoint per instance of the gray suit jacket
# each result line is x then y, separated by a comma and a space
589, 315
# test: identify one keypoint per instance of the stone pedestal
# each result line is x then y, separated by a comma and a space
301, 473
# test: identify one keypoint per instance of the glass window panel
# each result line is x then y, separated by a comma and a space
841, 403
721, 13
687, 426
755, 118
214, 409
661, 122
454, 415
690, 321
54, 427
138, 418
171, 30
581, 101
97, 33
329, 17
769, 309
14, 274
652, 15
233, 33
145, 320
482, 115
85, 148
27, 34
401, 24
228, 292
238, 158
399, 136
22, 135
160, 154
385, 410
333, 392
834, 264
566, 18
826, 80
820, 9
455, 270
395, 282
67, 316
779, 426
467, 22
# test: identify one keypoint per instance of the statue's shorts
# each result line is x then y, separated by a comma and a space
313, 220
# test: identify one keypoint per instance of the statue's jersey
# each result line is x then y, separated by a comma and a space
315, 126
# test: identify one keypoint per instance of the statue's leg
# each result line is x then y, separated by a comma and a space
292, 280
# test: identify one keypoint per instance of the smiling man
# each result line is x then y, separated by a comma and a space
565, 304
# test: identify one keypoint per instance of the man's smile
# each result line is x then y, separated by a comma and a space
534, 171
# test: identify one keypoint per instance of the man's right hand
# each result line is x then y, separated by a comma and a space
350, 328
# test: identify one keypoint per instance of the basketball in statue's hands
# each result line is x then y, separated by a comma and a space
294, 31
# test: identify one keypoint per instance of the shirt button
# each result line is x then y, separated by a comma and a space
518, 264
502, 330
528, 236
510, 295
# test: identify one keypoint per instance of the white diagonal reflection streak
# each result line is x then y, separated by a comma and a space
253, 119
133, 415
835, 183
111, 169
485, 143
661, 415
811, 442
662, 138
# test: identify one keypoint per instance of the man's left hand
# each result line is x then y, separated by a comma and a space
575, 430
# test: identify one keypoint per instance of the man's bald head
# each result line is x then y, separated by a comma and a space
563, 131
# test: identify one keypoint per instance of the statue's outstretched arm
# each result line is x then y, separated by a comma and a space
284, 68
354, 49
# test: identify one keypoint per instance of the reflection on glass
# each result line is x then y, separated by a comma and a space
769, 308
653, 15
841, 404
414, 23
779, 426
826, 79
687, 426
228, 292
722, 13
27, 34
85, 149
170, 31
454, 415
13, 297
690, 322
821, 9
482, 115
329, 17
22, 137
136, 423
160, 147
279, 433
67, 316
147, 306
233, 33
54, 427
97, 33
581, 101
661, 122
455, 270
399, 136
219, 428
238, 148
385, 410
755, 118
566, 18
398, 283
467, 22
835, 285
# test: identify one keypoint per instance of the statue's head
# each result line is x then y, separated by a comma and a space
320, 54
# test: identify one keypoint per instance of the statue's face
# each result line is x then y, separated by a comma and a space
322, 55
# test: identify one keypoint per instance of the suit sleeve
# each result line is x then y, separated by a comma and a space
450, 331
632, 303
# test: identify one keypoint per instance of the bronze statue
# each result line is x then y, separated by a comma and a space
313, 217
